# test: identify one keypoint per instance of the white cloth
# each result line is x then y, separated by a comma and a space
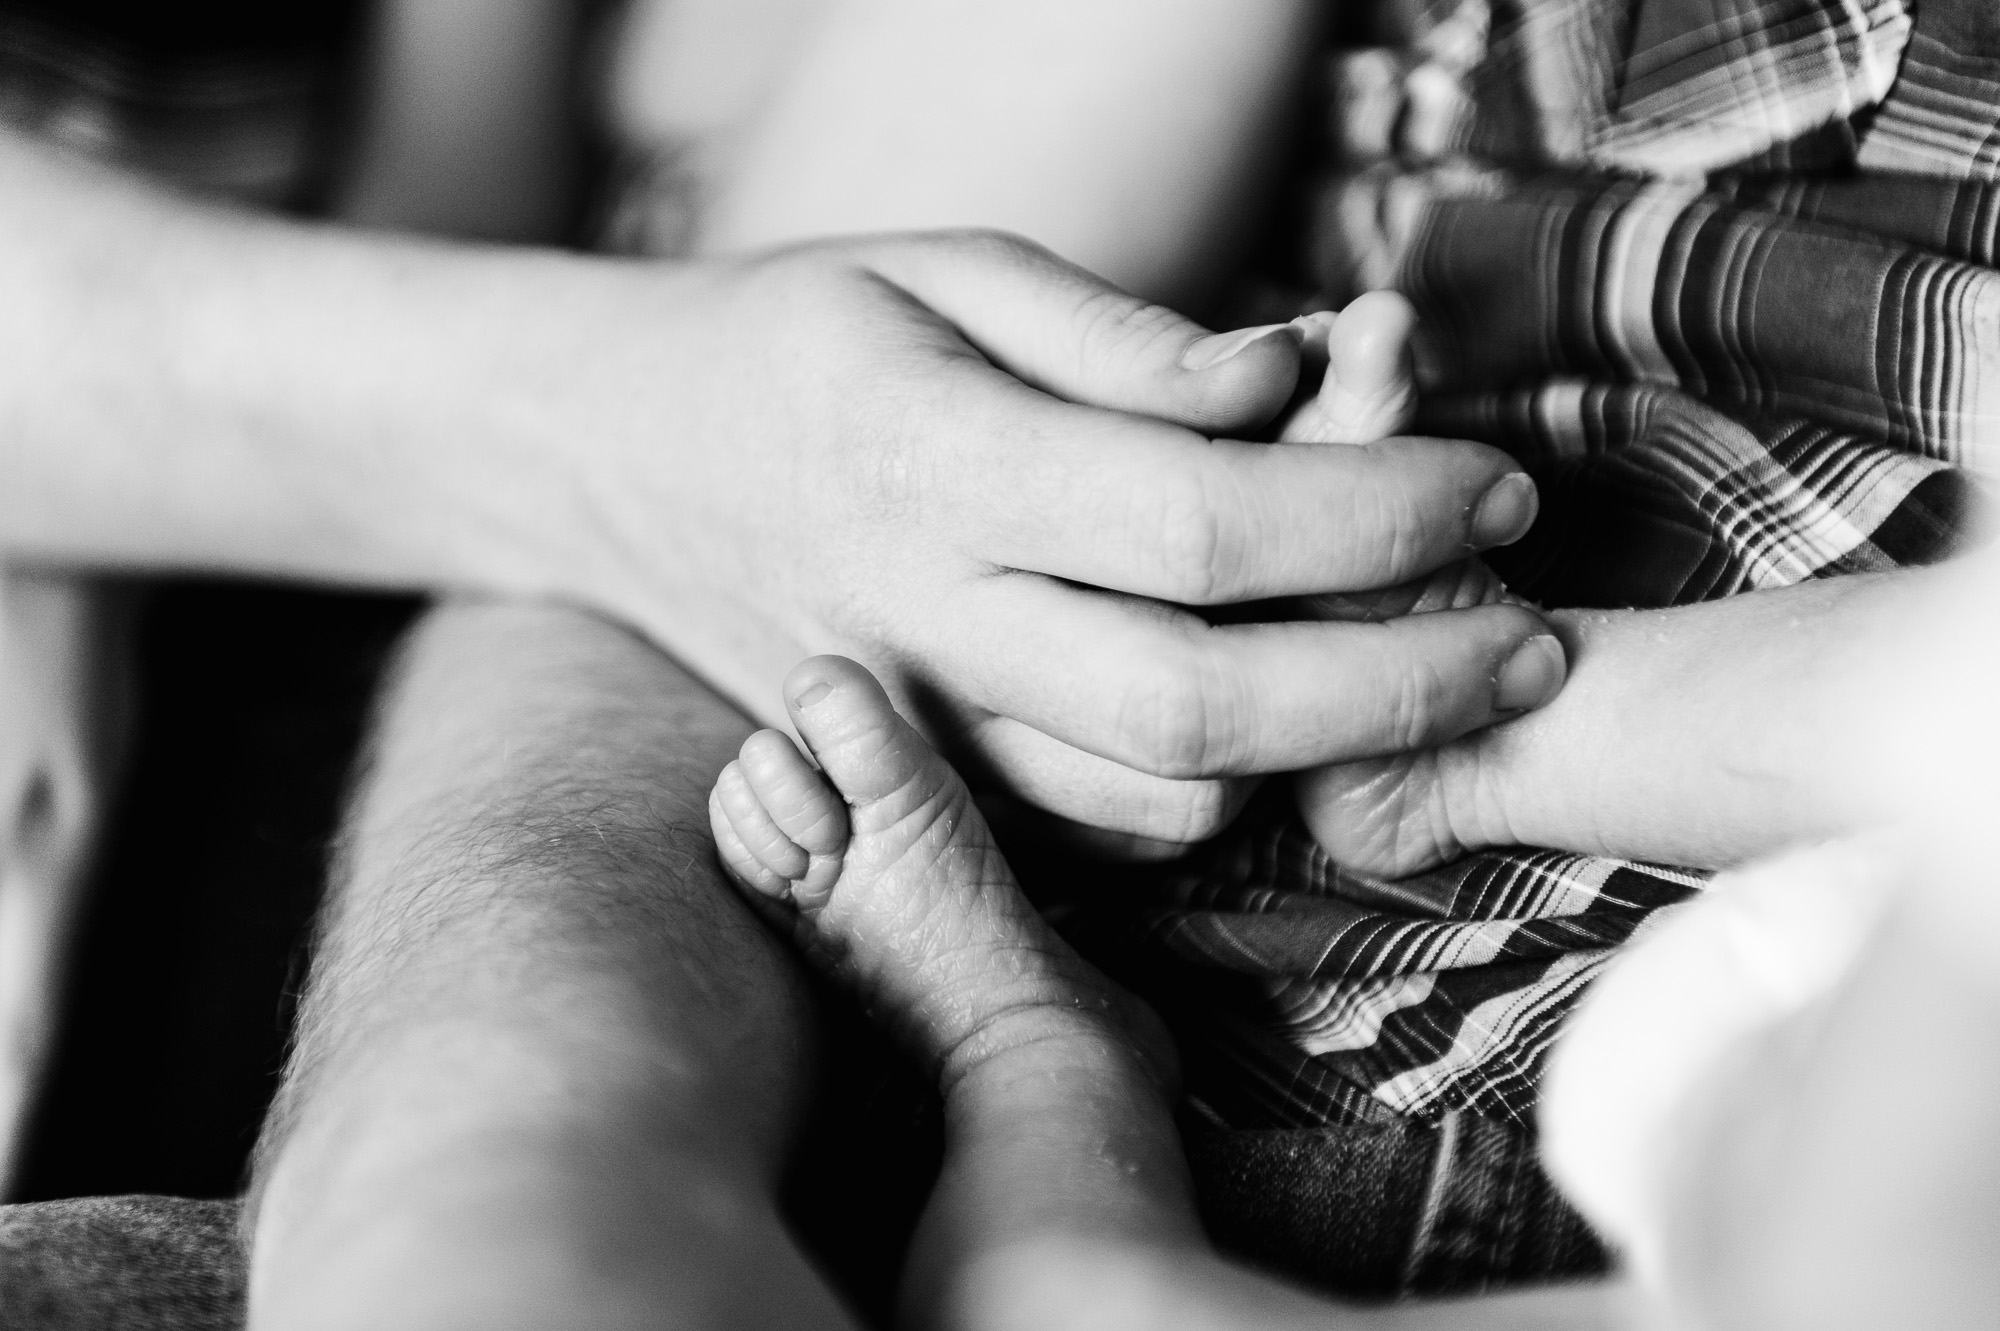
1704, 984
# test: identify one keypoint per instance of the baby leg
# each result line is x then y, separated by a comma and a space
1064, 1201
1057, 1084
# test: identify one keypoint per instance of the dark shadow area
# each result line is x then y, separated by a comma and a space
251, 702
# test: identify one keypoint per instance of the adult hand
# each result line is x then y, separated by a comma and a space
860, 448
1695, 735
930, 453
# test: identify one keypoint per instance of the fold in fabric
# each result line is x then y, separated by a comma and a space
1719, 273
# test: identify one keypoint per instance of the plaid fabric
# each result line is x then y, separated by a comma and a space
1941, 118
1660, 259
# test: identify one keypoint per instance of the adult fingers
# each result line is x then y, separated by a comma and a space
1032, 835
1146, 816
1156, 689
1075, 335
1149, 509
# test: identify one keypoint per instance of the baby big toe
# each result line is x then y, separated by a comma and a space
1369, 392
875, 759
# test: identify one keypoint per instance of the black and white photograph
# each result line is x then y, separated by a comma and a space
1028, 665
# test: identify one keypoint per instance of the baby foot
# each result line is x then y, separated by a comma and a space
897, 888
1397, 814
1059, 1127
1392, 816
1368, 393
1369, 390
1063, 1203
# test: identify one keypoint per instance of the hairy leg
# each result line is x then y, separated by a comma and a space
547, 1062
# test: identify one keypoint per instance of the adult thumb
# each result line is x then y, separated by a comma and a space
1071, 333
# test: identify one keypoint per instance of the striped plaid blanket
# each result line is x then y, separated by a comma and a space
1719, 272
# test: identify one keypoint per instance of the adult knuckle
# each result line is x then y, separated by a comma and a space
1165, 717
990, 243
881, 472
1189, 523
1191, 811
892, 467
1417, 705
1388, 530
1112, 322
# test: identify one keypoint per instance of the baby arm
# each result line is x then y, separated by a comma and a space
1702, 735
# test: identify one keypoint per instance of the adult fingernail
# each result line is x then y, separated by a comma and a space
810, 697
1219, 347
1532, 675
1505, 512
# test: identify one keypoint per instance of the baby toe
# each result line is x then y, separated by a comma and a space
808, 811
1368, 344
736, 857
871, 755
1388, 816
1369, 391
754, 829
927, 917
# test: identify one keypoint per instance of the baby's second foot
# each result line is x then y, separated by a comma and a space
898, 888
1368, 393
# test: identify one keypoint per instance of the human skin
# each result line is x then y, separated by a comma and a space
1063, 1200
1834, 1169
1135, 137
749, 460
425, 918
380, 1200
546, 1064
1706, 736
1692, 736
404, 1216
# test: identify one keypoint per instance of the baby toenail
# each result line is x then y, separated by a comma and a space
814, 695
